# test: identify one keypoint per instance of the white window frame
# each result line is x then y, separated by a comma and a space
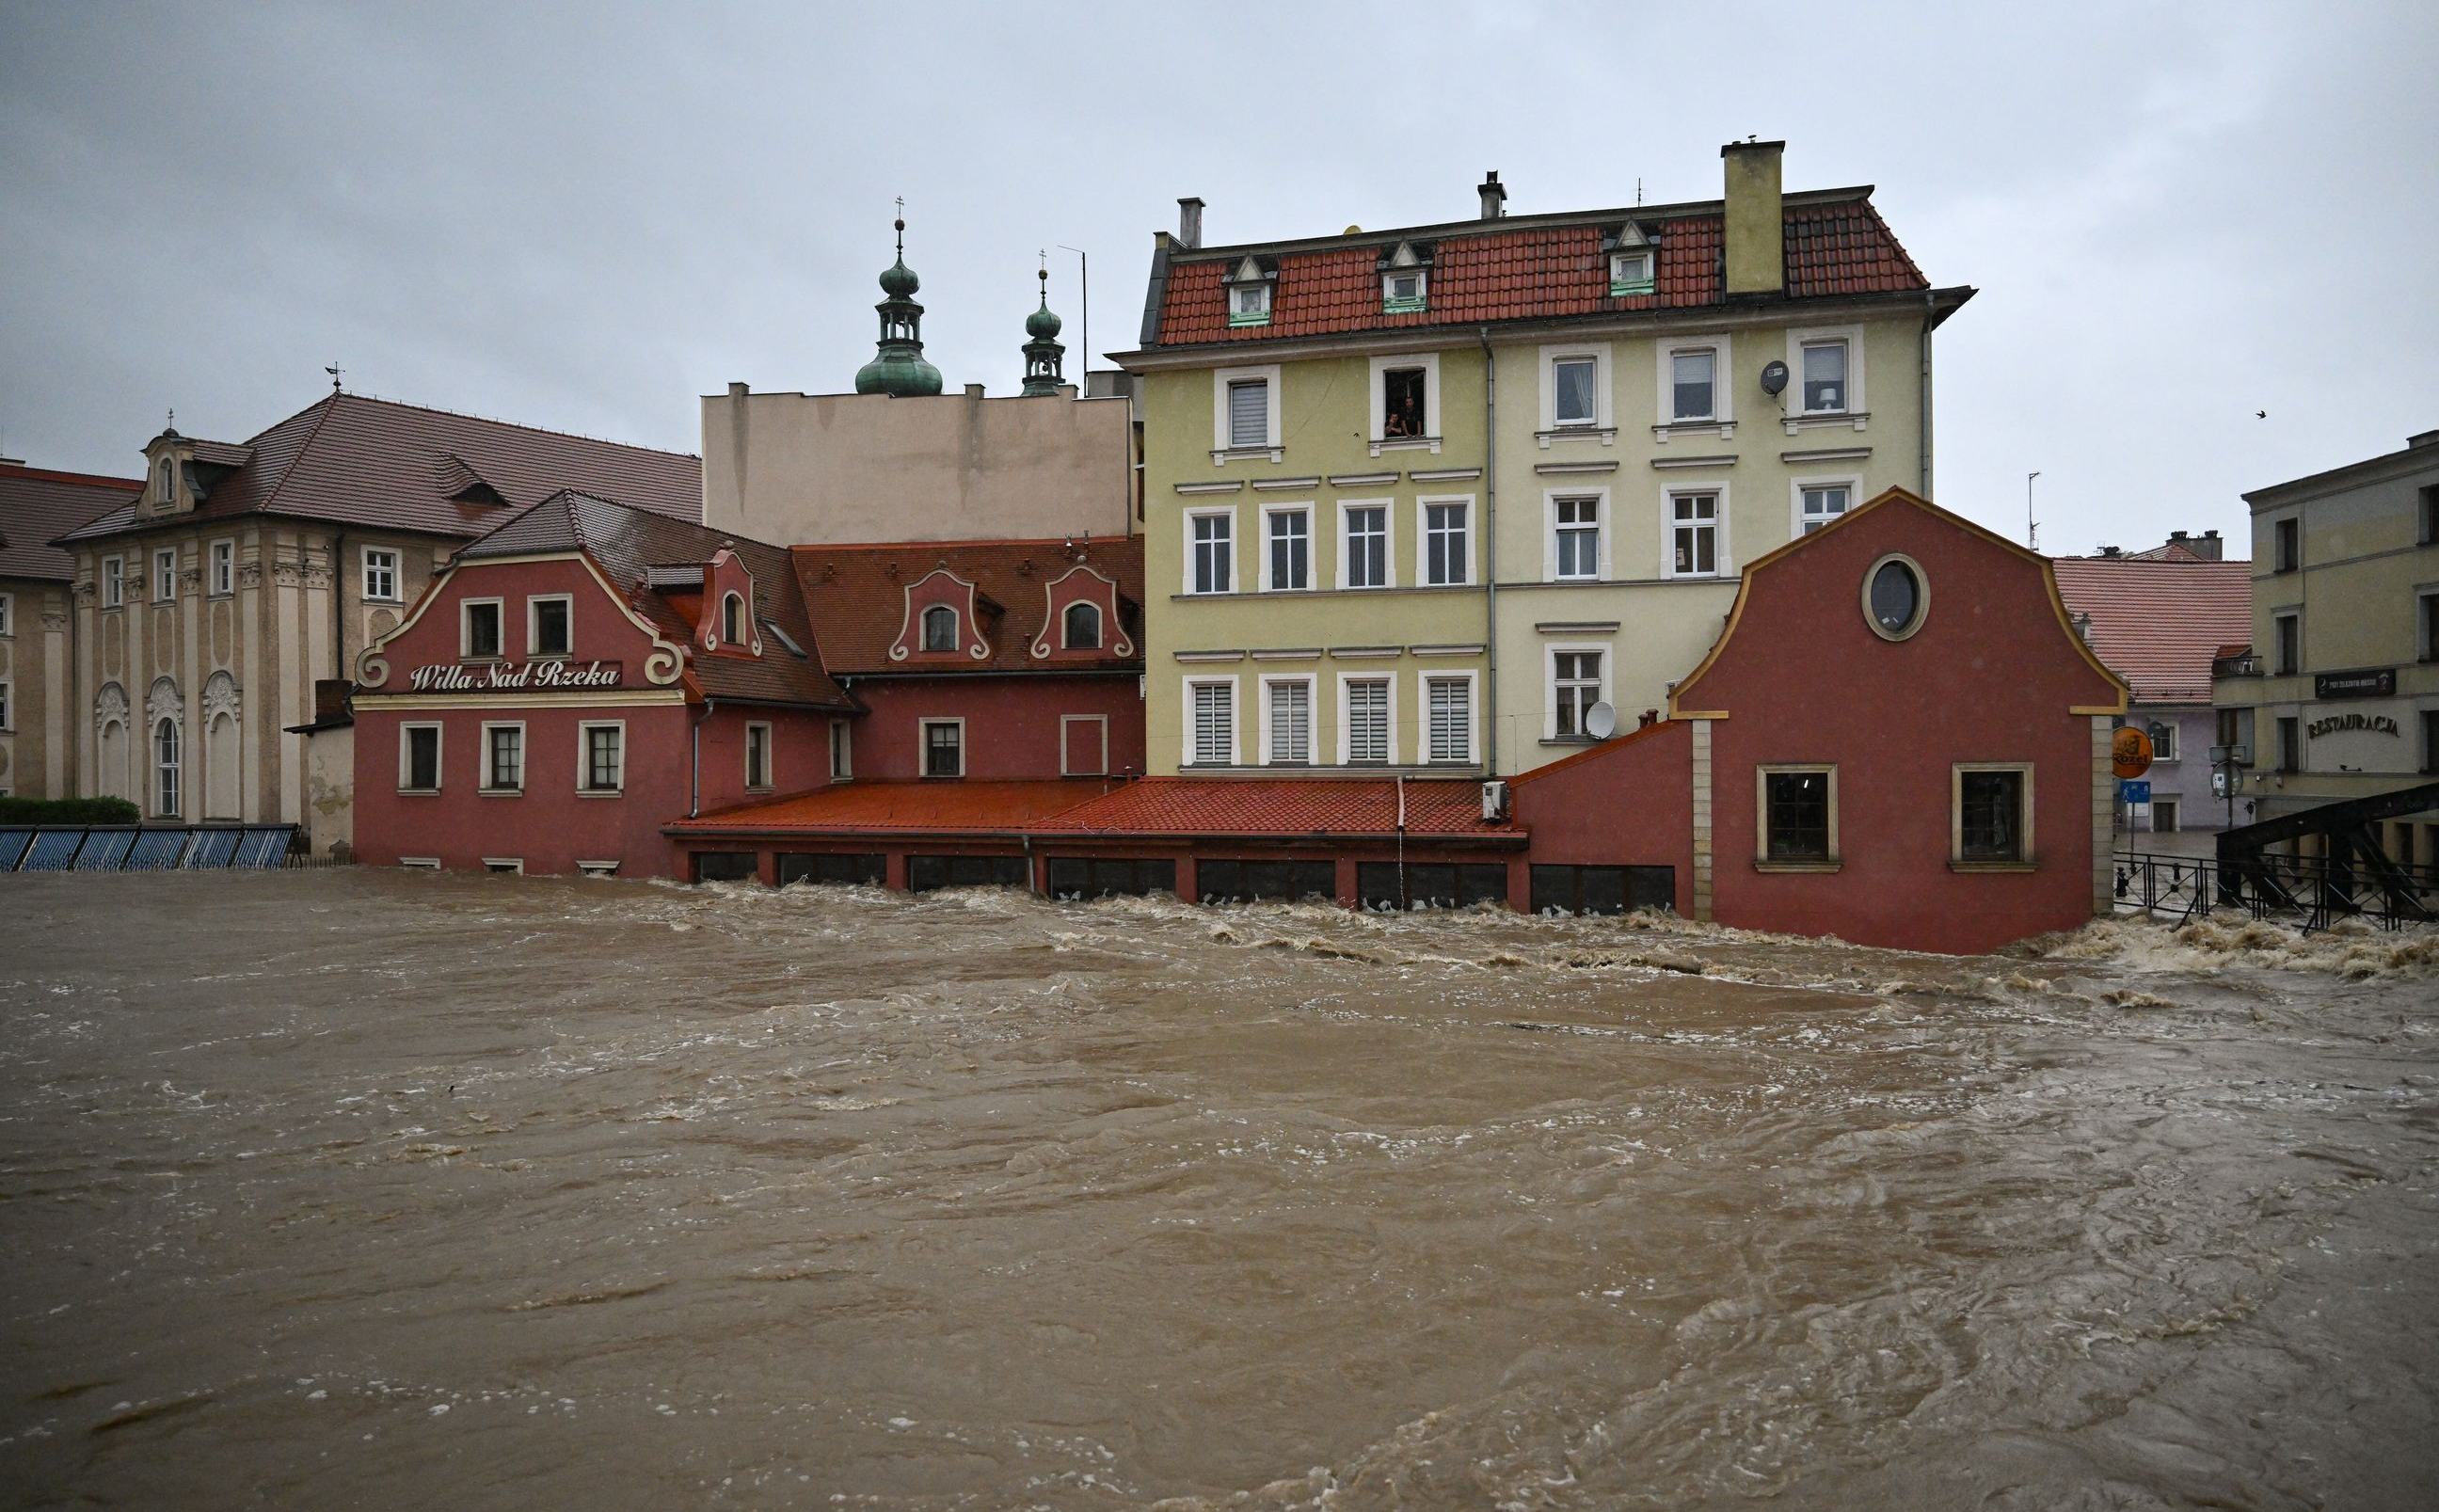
1604, 420
7, 615
1421, 299
584, 729
744, 636
1311, 549
8, 702
524, 754
1102, 722
1423, 541
224, 569
1347, 682
168, 777
1227, 512
165, 578
1388, 508
2162, 750
114, 582
1724, 561
1221, 448
1472, 680
533, 626
505, 865
1066, 624
2027, 854
1762, 859
1650, 278
397, 569
842, 751
1851, 483
1723, 403
1549, 499
1311, 716
466, 629
1236, 721
1550, 654
1377, 422
1797, 341
405, 755
1248, 317
923, 629
923, 727
770, 755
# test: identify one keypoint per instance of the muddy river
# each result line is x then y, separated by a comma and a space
359, 1189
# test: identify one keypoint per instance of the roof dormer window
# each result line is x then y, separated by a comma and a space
732, 619
1249, 288
939, 628
1631, 257
168, 494
1405, 280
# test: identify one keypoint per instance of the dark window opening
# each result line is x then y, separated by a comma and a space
482, 629
2288, 545
1401, 402
939, 628
1603, 889
1798, 815
550, 627
1429, 885
856, 870
727, 866
944, 750
2290, 745
732, 620
1895, 597
423, 758
1991, 822
2290, 645
926, 874
1075, 878
1265, 882
1083, 628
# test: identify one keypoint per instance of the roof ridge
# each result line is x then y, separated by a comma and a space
1545, 219
514, 425
329, 407
20, 469
950, 545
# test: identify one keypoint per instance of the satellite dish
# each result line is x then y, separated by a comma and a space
1600, 722
1773, 378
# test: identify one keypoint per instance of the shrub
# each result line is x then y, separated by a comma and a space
68, 811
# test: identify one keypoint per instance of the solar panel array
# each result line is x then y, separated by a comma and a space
128, 847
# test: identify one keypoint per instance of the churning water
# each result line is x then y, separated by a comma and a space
375, 1190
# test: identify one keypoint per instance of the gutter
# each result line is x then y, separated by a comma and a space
1490, 571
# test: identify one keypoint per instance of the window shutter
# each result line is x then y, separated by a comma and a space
1367, 718
1211, 702
1248, 413
1291, 722
1448, 718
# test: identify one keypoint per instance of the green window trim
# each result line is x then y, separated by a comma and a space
1260, 318
1404, 307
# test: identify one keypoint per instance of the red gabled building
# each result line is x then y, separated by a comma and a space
577, 677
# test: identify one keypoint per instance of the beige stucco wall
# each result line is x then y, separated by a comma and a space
37, 746
801, 468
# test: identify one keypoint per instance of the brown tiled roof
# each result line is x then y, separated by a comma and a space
627, 543
1288, 809
371, 462
38, 505
857, 595
2157, 623
868, 808
1834, 247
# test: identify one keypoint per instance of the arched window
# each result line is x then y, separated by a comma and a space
169, 480
1083, 626
939, 628
165, 768
732, 619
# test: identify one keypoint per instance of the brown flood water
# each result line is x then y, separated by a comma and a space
361, 1189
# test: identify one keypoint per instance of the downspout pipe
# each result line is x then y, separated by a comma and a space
694, 760
1489, 553
1922, 441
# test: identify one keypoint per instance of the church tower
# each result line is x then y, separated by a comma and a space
898, 366
1043, 353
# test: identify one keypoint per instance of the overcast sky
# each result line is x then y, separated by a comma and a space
583, 216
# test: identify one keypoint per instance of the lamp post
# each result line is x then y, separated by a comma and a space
2032, 527
1084, 338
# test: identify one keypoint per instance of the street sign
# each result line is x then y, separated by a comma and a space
2130, 790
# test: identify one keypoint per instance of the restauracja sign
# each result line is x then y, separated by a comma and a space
511, 677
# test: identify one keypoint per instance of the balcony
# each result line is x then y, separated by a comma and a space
2245, 664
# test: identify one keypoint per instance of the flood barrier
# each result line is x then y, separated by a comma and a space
145, 847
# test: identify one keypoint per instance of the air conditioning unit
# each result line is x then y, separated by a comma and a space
1494, 800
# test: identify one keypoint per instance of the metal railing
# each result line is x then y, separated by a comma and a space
2313, 891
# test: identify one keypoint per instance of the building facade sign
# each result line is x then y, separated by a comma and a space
2335, 723
2377, 683
512, 677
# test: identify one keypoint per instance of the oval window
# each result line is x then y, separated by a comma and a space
1894, 597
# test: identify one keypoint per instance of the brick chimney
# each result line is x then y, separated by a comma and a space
1494, 196
1189, 223
1755, 224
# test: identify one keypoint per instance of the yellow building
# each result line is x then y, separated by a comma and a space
2338, 696
1423, 498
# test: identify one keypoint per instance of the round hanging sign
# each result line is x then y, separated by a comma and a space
2130, 754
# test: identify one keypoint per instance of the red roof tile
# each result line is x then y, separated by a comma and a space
1834, 247
38, 505
1290, 809
2157, 623
372, 462
869, 808
858, 600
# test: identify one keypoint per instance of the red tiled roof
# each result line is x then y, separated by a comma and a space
629, 543
865, 807
2157, 623
1292, 809
1835, 247
371, 462
858, 600
38, 505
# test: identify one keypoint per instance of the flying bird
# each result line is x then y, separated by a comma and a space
2261, 415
